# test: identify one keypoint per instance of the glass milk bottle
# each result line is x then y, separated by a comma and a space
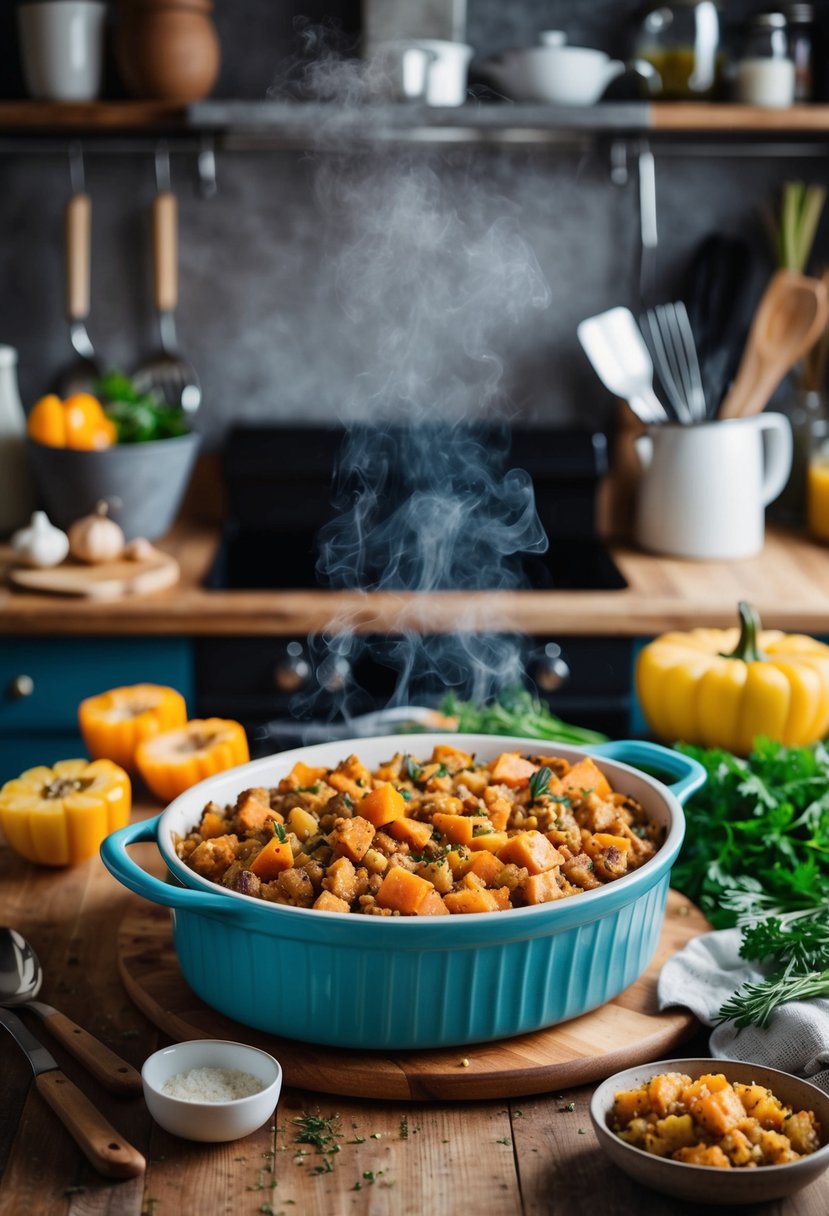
16, 492
765, 73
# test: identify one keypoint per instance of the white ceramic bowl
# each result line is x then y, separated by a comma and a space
705, 1183
211, 1121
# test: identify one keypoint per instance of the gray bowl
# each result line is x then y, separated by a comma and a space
143, 482
705, 1184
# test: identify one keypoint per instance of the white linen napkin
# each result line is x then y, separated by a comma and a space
707, 971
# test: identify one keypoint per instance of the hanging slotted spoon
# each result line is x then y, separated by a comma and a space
167, 373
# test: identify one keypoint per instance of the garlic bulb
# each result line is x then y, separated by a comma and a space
96, 538
40, 543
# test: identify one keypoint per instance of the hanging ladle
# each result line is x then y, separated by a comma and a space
20, 978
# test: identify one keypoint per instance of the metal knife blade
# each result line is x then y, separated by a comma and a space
40, 1059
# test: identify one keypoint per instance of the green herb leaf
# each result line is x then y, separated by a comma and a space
540, 782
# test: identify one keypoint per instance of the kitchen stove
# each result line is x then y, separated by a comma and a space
279, 492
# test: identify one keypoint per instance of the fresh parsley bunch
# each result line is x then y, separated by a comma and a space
756, 855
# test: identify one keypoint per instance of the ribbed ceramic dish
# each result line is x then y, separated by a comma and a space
394, 983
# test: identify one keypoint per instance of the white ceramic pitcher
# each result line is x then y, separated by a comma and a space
704, 489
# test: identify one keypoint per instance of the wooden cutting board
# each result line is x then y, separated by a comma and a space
627, 1031
105, 581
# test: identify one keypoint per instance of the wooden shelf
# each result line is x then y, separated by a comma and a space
89, 117
276, 124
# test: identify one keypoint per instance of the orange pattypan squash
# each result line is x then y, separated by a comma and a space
78, 422
115, 722
47, 422
172, 762
59, 815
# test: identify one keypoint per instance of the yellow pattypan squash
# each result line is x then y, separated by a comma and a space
725, 687
59, 815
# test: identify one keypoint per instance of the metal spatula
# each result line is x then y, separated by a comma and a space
614, 345
167, 373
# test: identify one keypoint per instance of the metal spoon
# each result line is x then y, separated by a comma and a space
20, 978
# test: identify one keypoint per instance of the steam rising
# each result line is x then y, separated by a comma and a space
435, 278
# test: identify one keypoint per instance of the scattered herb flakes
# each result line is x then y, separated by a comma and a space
150, 1206
465, 1062
321, 1132
582, 1131
404, 1128
568, 1107
377, 1135
357, 1140
358, 1186
503, 1140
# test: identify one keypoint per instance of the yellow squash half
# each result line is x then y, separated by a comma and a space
59, 815
725, 687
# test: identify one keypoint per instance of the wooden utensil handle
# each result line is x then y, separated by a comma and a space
78, 238
165, 250
113, 1073
100, 1143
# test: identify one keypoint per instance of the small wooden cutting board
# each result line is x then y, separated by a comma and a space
105, 581
626, 1031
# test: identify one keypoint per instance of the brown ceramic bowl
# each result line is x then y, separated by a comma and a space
705, 1183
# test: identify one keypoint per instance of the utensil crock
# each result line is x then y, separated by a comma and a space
389, 983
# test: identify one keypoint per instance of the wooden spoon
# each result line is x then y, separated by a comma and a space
790, 317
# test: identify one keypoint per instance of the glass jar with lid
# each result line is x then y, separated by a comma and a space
802, 35
681, 41
765, 72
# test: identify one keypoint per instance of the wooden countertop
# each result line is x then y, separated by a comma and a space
500, 1158
788, 583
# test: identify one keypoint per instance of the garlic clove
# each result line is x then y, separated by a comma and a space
96, 538
139, 550
40, 543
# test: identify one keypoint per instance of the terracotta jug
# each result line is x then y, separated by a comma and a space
167, 50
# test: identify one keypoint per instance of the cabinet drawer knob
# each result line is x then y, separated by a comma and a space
20, 687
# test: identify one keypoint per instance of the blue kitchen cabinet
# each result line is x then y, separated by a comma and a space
42, 680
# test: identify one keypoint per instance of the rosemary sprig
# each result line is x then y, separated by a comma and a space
753, 1004
540, 782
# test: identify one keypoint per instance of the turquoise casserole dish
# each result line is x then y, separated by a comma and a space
398, 983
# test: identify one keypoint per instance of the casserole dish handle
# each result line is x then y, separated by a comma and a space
657, 761
116, 859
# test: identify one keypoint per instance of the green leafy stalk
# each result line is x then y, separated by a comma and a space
795, 230
753, 1004
515, 711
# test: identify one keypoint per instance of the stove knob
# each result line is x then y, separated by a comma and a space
550, 671
293, 670
334, 673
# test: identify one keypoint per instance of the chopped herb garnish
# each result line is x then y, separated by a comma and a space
279, 832
540, 782
308, 789
414, 770
404, 1128
480, 830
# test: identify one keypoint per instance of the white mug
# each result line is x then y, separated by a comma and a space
704, 488
61, 47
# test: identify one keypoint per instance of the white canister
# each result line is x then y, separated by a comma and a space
16, 487
61, 47
705, 488
448, 71
765, 73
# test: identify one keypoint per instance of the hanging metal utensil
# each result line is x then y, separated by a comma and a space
85, 369
614, 345
167, 373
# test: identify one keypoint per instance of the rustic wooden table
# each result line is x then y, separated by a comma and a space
524, 1157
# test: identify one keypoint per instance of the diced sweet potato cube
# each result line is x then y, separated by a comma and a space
719, 1112
541, 888
212, 824
350, 777
432, 905
532, 850
502, 897
471, 880
351, 837
488, 842
605, 840
630, 1104
302, 777
468, 900
664, 1091
382, 805
326, 902
499, 813
403, 891
415, 833
272, 859
252, 813
703, 1154
584, 777
459, 829
761, 1104
485, 866
512, 769
452, 757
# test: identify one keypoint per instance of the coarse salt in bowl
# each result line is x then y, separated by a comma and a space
211, 1089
